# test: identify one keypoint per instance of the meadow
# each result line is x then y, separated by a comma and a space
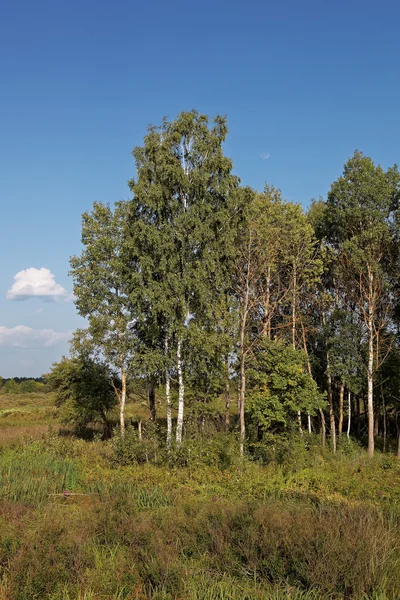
124, 519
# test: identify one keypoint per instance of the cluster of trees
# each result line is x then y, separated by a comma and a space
199, 287
22, 385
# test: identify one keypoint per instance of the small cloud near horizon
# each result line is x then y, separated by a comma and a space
22, 336
36, 283
265, 155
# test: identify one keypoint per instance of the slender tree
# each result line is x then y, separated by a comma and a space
100, 294
360, 213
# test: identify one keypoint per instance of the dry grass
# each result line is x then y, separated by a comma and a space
16, 435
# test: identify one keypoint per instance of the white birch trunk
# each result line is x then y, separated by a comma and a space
242, 397
371, 441
294, 332
384, 420
309, 371
341, 397
330, 401
168, 398
181, 393
349, 409
242, 382
122, 401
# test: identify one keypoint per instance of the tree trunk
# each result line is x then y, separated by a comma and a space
309, 371
168, 398
242, 354
323, 428
139, 425
107, 428
227, 396
294, 307
242, 397
152, 400
331, 411
330, 394
294, 300
341, 396
371, 441
358, 416
384, 420
181, 393
267, 305
169, 411
349, 411
122, 401
242, 389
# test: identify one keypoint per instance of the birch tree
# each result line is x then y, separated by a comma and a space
247, 282
100, 294
360, 213
300, 269
179, 233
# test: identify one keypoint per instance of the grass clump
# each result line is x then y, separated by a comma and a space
31, 476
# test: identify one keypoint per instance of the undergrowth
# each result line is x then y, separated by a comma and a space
97, 520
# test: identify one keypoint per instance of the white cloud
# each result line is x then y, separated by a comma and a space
264, 155
38, 283
26, 337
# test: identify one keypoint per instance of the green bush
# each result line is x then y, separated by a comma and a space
129, 449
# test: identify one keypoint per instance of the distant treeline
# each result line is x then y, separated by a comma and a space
22, 385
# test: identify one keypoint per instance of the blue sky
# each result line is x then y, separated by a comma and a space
303, 85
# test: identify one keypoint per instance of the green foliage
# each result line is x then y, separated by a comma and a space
177, 231
197, 450
346, 352
99, 289
30, 386
10, 387
361, 204
179, 249
23, 386
129, 449
279, 386
220, 451
85, 390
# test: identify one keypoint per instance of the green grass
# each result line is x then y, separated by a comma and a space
199, 524
29, 476
24, 417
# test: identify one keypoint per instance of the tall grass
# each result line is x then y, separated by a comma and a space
200, 531
29, 476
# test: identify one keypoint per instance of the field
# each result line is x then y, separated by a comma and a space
99, 520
